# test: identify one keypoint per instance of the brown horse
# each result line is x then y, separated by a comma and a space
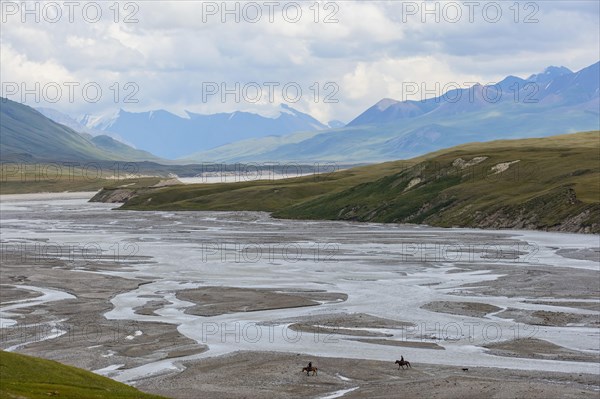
309, 369
402, 363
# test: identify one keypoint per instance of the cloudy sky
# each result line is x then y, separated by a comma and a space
330, 59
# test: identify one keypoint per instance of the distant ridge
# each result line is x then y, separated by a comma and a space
555, 101
561, 82
172, 136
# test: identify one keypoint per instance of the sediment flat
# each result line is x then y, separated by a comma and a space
278, 375
169, 315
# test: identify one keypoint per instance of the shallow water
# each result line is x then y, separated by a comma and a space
388, 271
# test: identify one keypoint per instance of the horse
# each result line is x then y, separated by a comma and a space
402, 363
309, 369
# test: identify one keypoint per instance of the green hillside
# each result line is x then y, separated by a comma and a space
28, 135
25, 179
265, 195
24, 376
549, 183
120, 150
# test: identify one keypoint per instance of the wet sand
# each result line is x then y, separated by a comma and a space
278, 375
140, 318
213, 301
595, 305
9, 293
345, 324
474, 309
98, 344
550, 318
405, 344
536, 282
539, 349
74, 331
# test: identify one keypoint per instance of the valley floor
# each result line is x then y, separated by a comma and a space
234, 304
278, 375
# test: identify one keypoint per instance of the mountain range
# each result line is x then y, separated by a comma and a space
553, 102
172, 136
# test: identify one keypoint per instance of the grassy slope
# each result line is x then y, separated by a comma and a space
266, 195
122, 151
556, 180
17, 178
555, 183
26, 131
29, 377
27, 134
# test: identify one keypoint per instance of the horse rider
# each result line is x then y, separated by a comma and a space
309, 366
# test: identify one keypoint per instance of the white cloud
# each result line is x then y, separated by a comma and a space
369, 53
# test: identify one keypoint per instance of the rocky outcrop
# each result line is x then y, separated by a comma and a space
114, 196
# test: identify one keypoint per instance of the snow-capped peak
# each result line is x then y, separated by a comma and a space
100, 122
